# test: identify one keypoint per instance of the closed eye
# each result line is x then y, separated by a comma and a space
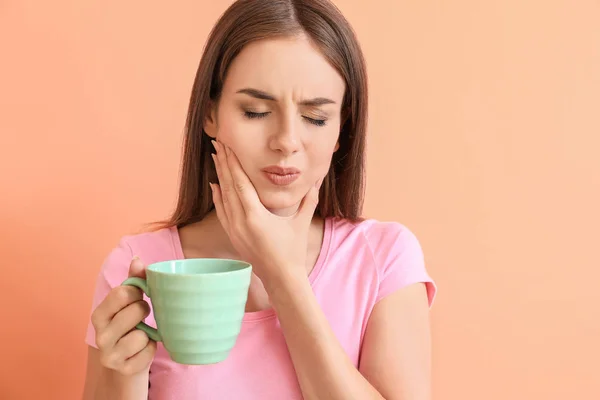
317, 122
255, 115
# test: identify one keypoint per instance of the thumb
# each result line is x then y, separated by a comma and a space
137, 268
309, 203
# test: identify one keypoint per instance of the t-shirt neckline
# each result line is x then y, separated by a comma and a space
312, 277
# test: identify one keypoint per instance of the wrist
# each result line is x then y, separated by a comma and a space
287, 279
114, 384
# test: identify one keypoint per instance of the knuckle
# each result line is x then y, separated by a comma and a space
110, 360
225, 187
122, 294
240, 187
139, 339
95, 318
115, 360
102, 339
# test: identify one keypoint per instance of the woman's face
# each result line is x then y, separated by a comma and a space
280, 113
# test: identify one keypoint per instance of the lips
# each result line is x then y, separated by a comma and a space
276, 169
281, 176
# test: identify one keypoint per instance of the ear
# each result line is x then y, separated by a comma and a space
210, 121
337, 146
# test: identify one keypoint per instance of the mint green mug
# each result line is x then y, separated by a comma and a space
198, 306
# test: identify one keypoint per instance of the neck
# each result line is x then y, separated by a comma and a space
208, 239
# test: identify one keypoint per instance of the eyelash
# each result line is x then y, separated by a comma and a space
255, 115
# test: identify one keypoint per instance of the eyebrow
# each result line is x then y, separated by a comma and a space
259, 94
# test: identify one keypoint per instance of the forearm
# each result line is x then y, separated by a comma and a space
114, 386
322, 366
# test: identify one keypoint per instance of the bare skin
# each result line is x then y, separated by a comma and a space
207, 238
272, 226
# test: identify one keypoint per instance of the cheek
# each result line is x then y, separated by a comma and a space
233, 130
326, 144
320, 157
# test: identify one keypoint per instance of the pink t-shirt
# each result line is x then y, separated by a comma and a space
359, 264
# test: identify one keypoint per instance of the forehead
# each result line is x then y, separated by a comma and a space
285, 66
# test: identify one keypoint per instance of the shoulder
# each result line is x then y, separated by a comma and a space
153, 246
150, 247
396, 252
380, 236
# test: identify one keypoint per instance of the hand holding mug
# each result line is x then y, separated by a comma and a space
124, 349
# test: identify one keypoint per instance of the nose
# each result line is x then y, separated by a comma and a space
285, 139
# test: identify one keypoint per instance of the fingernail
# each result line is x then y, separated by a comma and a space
214, 143
214, 157
135, 258
212, 189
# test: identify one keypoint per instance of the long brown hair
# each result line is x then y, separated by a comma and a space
245, 21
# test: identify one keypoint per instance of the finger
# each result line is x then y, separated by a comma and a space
131, 344
141, 360
231, 203
118, 299
122, 323
128, 346
137, 268
243, 186
218, 202
309, 203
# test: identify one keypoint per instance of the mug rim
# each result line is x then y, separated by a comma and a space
245, 266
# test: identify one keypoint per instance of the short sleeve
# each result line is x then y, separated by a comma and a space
400, 260
113, 272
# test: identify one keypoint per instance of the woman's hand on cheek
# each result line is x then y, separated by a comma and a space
273, 245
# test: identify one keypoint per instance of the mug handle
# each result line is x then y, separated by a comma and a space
142, 284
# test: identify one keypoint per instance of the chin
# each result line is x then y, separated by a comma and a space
279, 201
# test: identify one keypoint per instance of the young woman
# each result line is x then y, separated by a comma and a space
273, 174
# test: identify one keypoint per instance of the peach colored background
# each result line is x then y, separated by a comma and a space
484, 139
